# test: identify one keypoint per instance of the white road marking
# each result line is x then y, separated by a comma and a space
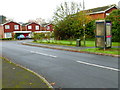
43, 54
95, 65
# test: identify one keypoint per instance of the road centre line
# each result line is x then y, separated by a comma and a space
96, 65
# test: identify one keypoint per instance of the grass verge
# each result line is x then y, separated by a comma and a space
114, 51
72, 43
14, 76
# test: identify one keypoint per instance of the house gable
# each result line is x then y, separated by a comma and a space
33, 27
11, 26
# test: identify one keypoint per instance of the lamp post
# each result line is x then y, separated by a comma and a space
84, 23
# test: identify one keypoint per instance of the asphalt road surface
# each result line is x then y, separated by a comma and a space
66, 69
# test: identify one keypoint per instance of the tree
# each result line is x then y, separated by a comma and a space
40, 21
66, 9
37, 20
69, 21
115, 18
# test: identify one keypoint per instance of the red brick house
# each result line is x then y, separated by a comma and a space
9, 28
33, 27
13, 30
49, 27
101, 12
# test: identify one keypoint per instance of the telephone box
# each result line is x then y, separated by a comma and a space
103, 34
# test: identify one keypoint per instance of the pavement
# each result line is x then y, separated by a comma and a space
16, 76
65, 69
66, 48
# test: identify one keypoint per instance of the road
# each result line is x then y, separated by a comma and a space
66, 69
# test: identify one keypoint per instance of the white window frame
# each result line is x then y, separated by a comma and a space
16, 27
8, 35
37, 27
30, 27
107, 14
7, 26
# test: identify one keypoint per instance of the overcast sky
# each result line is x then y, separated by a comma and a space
23, 10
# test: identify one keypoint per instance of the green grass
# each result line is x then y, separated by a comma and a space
17, 77
115, 51
73, 43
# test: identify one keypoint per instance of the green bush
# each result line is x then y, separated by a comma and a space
115, 18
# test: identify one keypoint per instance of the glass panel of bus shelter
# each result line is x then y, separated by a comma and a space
100, 42
100, 29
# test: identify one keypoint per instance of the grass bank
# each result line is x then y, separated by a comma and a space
115, 51
72, 43
14, 76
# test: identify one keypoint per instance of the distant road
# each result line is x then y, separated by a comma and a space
66, 69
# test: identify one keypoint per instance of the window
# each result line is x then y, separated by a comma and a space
107, 14
29, 27
16, 27
7, 26
48, 27
8, 35
37, 27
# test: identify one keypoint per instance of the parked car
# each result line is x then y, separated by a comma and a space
21, 37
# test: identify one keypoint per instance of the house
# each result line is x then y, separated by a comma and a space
48, 27
101, 12
9, 28
33, 27
13, 30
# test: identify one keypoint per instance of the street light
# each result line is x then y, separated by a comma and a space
84, 23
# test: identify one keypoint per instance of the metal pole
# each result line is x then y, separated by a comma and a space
84, 23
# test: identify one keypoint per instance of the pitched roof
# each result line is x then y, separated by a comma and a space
31, 23
10, 22
100, 9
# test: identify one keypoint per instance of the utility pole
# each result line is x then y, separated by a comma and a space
84, 23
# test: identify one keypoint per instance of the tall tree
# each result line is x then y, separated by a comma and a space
65, 9
68, 20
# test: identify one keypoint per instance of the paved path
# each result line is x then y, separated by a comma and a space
66, 69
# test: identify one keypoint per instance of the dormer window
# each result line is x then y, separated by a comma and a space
29, 27
16, 27
7, 26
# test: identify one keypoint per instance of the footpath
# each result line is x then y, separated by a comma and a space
67, 48
16, 76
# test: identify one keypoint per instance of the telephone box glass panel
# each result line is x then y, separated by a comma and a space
100, 42
100, 29
108, 29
